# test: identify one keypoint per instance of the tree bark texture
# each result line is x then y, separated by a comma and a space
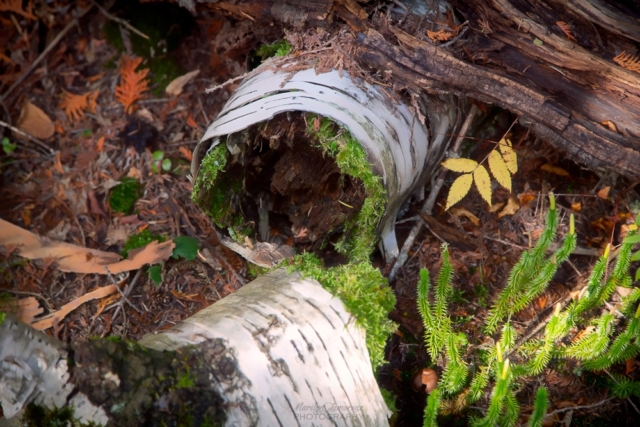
513, 53
279, 351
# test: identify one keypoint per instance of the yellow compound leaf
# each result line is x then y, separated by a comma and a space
460, 165
459, 189
483, 182
509, 156
499, 169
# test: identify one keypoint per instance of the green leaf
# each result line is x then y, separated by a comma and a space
638, 270
158, 155
7, 146
638, 219
635, 256
538, 42
155, 274
632, 239
186, 247
166, 164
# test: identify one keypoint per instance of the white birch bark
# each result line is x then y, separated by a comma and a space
301, 357
293, 356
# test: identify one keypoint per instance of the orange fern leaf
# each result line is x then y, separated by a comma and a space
74, 106
628, 61
132, 82
15, 6
441, 35
566, 29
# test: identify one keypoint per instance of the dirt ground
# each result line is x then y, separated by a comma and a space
60, 188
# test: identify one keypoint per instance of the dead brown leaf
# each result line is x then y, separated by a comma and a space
576, 207
55, 317
604, 192
610, 125
132, 82
512, 207
15, 6
177, 85
462, 212
439, 36
74, 105
526, 198
35, 122
554, 170
78, 259
186, 153
26, 309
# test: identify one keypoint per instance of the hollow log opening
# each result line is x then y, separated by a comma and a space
278, 184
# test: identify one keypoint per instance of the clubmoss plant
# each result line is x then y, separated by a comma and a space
610, 340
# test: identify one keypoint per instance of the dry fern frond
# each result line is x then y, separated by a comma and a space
484, 26
15, 6
566, 29
132, 82
441, 35
628, 61
74, 106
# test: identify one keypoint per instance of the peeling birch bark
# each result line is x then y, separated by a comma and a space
280, 351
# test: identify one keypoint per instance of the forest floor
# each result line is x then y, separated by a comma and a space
61, 187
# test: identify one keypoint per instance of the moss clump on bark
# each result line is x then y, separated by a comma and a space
364, 292
361, 236
139, 386
214, 191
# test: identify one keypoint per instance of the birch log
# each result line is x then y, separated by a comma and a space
280, 351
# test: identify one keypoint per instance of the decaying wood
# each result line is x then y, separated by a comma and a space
515, 56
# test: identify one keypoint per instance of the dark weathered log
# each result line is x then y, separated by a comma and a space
515, 55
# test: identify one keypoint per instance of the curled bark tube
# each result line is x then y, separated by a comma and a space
397, 145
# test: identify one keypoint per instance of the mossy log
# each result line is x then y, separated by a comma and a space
279, 351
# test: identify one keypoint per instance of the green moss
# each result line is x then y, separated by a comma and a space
123, 197
279, 48
213, 192
3, 315
39, 416
360, 237
139, 240
184, 379
364, 292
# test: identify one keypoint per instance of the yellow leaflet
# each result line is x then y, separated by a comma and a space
459, 189
499, 170
460, 165
483, 183
510, 157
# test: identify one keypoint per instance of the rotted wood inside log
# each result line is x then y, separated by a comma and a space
293, 193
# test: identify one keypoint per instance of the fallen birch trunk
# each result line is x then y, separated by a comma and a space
280, 351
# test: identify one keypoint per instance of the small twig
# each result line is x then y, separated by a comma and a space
431, 200
125, 294
119, 20
228, 82
42, 145
44, 300
122, 294
46, 51
204, 114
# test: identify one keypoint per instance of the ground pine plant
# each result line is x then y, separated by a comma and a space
504, 367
